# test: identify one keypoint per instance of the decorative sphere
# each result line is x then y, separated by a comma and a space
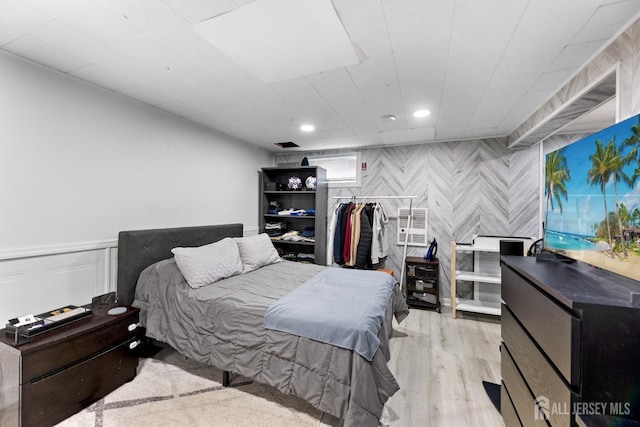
295, 183
311, 183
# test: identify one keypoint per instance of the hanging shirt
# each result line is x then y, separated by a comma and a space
331, 233
379, 244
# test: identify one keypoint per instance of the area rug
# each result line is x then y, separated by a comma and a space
171, 390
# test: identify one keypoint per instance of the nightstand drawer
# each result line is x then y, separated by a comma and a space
58, 396
536, 311
71, 348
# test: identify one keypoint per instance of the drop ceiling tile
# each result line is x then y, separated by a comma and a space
45, 54
421, 98
21, 16
417, 24
606, 21
107, 29
304, 97
8, 34
265, 100
489, 27
426, 134
333, 143
529, 63
195, 11
378, 85
535, 98
364, 22
356, 116
505, 85
281, 39
518, 115
424, 70
145, 95
144, 15
103, 76
335, 86
66, 38
560, 26
551, 80
575, 55
53, 9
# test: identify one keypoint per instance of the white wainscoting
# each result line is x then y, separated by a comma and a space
36, 280
42, 279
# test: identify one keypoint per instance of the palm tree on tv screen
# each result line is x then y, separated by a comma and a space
618, 162
634, 139
557, 175
599, 174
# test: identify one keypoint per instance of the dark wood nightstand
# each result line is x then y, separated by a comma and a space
66, 369
423, 283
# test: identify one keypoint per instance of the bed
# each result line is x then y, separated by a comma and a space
223, 324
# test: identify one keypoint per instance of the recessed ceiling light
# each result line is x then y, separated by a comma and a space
421, 113
307, 128
388, 118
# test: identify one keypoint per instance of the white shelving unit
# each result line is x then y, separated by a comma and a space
485, 275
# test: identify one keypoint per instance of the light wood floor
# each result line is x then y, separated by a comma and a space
440, 363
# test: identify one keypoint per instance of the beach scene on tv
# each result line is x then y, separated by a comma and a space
592, 196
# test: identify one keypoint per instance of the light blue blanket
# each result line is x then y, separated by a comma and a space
337, 306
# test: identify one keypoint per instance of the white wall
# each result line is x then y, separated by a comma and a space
78, 164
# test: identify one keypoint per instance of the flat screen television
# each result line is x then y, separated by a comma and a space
592, 199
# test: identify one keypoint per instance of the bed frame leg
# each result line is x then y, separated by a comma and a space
225, 378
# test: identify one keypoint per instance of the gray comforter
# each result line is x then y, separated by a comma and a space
222, 325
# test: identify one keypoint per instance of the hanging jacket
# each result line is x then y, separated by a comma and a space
338, 241
346, 247
363, 254
379, 244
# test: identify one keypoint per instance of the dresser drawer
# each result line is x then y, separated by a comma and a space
542, 379
554, 328
519, 395
507, 410
72, 348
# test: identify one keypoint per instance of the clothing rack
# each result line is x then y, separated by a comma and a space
406, 235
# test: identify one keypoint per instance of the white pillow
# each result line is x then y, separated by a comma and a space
256, 251
207, 264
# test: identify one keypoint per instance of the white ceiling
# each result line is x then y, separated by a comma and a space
481, 68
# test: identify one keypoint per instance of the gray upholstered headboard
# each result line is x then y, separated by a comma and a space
139, 249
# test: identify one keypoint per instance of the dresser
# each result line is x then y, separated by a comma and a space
570, 344
66, 369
